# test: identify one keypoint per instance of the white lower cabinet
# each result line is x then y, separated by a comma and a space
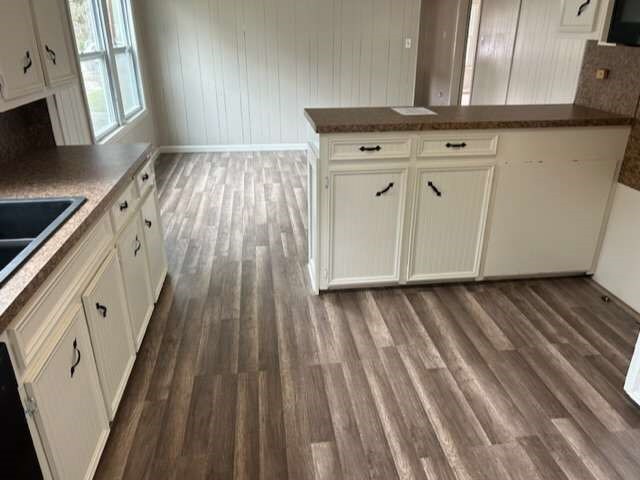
366, 217
110, 329
449, 216
135, 272
69, 410
155, 243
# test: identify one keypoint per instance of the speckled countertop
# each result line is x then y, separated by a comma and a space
96, 172
384, 119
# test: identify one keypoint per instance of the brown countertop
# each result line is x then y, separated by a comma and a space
95, 172
384, 119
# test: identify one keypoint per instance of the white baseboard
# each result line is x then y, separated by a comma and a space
268, 147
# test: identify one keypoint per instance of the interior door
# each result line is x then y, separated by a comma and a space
71, 416
449, 220
20, 68
110, 329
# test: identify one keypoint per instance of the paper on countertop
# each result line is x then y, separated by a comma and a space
413, 111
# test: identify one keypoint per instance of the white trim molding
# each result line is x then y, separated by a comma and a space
267, 147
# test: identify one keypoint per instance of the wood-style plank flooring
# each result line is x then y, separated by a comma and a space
245, 375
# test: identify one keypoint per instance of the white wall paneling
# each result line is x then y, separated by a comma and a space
240, 72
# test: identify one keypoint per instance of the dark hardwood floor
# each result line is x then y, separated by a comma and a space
245, 375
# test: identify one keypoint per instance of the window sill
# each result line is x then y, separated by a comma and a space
120, 132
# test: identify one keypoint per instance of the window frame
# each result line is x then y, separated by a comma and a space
107, 53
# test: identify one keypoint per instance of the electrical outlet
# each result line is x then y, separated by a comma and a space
407, 43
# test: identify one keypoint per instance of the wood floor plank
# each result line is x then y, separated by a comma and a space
245, 374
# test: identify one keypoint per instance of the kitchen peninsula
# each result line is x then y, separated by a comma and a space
465, 193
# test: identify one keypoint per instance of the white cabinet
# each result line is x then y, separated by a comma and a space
449, 215
154, 240
135, 272
548, 216
366, 219
110, 329
69, 411
20, 68
52, 26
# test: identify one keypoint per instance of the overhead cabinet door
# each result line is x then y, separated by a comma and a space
20, 69
448, 225
70, 415
50, 20
367, 210
110, 330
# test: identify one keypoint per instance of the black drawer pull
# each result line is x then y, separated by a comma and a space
137, 247
382, 192
456, 145
124, 205
27, 62
145, 177
102, 309
434, 188
377, 148
77, 355
148, 223
583, 7
52, 54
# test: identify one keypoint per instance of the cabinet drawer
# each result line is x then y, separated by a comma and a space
366, 148
145, 179
470, 145
124, 207
34, 325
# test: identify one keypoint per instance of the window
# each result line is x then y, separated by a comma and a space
108, 60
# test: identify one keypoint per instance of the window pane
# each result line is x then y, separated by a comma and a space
117, 23
96, 84
128, 82
83, 16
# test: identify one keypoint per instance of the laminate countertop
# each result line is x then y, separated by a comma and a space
384, 119
97, 172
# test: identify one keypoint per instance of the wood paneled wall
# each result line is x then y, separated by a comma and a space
242, 71
534, 63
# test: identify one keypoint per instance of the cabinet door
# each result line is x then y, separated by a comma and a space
547, 217
366, 218
110, 329
20, 69
70, 415
448, 222
154, 239
132, 255
54, 46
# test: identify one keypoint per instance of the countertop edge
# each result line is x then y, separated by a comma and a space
21, 300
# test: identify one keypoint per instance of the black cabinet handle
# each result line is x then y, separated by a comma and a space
124, 205
145, 177
52, 53
102, 309
583, 7
377, 148
28, 62
148, 223
456, 145
434, 188
77, 355
137, 247
382, 192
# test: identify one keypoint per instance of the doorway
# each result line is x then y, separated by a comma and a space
470, 54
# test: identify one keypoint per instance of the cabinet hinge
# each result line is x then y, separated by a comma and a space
326, 182
30, 406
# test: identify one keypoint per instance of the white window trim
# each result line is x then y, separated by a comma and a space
108, 54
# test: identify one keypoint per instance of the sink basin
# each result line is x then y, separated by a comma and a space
26, 224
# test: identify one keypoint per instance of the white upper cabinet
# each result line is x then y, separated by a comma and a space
110, 329
70, 412
448, 222
55, 50
366, 218
20, 68
133, 260
155, 243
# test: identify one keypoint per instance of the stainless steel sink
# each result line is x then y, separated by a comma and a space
25, 224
